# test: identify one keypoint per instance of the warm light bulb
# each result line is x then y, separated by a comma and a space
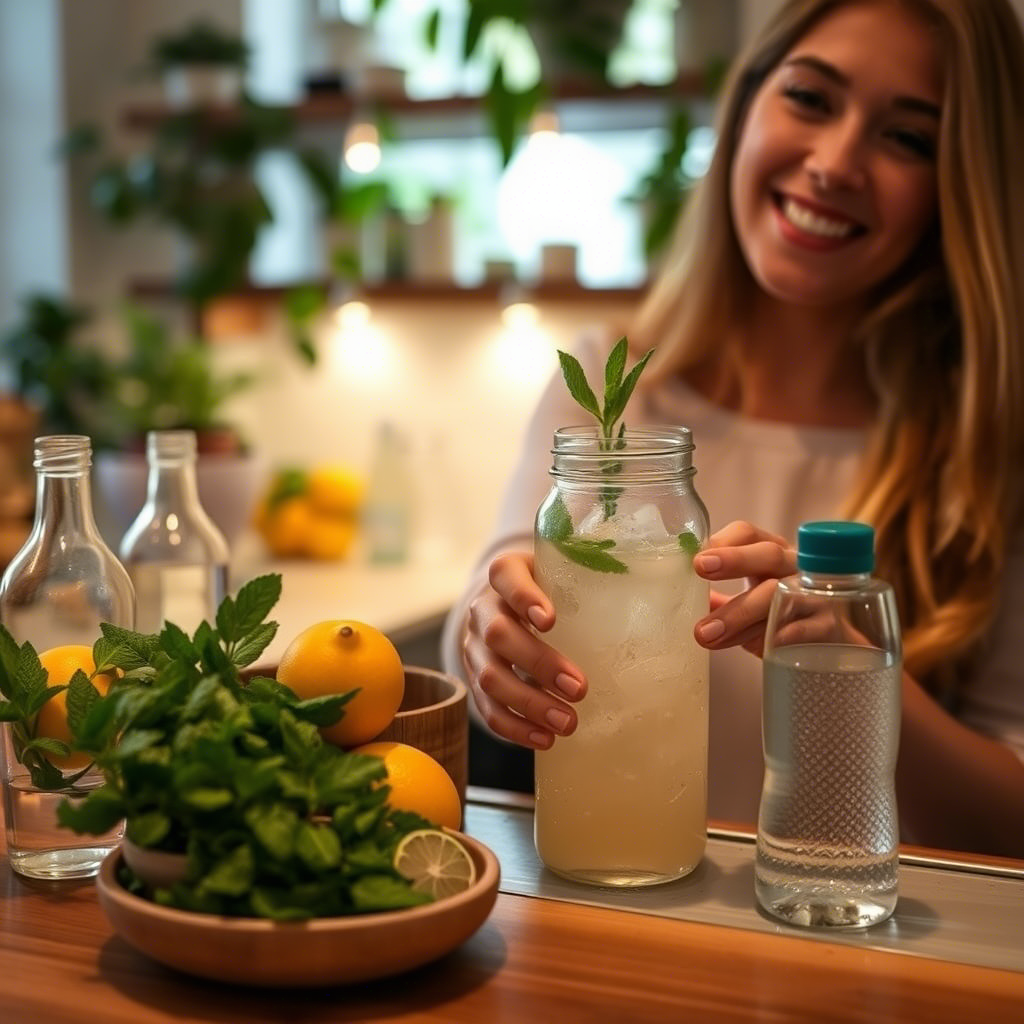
362, 147
352, 314
545, 123
520, 315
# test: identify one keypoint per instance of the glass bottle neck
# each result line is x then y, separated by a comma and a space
172, 484
833, 581
64, 501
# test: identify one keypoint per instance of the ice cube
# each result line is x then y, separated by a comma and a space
642, 523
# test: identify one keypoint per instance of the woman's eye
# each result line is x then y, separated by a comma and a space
918, 143
808, 99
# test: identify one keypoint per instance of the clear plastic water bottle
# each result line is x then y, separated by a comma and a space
827, 834
176, 556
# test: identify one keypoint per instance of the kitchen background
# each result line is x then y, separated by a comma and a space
443, 285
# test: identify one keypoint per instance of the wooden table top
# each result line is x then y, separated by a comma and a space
535, 960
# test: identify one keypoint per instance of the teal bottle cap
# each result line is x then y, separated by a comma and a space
835, 546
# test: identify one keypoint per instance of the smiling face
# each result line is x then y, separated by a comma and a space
834, 180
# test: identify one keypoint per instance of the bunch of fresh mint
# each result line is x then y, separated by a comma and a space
555, 522
275, 822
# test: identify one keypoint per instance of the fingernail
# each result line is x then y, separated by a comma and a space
540, 739
557, 719
708, 563
537, 616
569, 685
711, 630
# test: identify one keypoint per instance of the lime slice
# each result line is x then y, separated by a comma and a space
435, 862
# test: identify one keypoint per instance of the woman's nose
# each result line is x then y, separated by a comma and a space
836, 160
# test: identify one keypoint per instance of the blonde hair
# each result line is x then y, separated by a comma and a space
943, 341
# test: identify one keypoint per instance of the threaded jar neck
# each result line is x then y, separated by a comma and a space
63, 454
641, 455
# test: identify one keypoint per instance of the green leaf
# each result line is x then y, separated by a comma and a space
254, 602
689, 543
8, 663
8, 712
625, 391
82, 695
40, 697
591, 556
254, 644
385, 892
432, 27
324, 710
208, 798
148, 829
576, 382
176, 643
45, 775
47, 745
339, 778
613, 371
317, 846
232, 875
555, 522
274, 826
98, 813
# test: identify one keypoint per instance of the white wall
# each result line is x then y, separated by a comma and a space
33, 212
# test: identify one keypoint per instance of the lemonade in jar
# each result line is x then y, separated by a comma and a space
623, 800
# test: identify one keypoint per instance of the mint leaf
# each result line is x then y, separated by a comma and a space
384, 892
148, 829
317, 846
576, 382
98, 813
689, 543
8, 662
253, 603
591, 555
254, 644
82, 694
8, 712
617, 407
555, 521
613, 371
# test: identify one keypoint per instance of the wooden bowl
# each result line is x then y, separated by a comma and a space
322, 951
434, 716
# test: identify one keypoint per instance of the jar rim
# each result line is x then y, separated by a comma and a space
585, 440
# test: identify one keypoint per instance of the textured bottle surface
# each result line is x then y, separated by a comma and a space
827, 831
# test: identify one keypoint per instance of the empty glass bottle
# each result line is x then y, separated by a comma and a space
176, 556
827, 836
56, 591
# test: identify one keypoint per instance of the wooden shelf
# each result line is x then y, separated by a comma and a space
337, 108
412, 291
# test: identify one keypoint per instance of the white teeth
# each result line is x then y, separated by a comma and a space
813, 223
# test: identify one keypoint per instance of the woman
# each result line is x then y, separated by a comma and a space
840, 324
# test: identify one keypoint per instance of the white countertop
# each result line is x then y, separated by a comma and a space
395, 598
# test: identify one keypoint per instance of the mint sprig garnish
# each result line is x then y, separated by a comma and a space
556, 524
617, 392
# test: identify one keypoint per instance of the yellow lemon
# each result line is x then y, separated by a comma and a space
341, 655
61, 663
329, 537
435, 862
418, 783
285, 526
334, 490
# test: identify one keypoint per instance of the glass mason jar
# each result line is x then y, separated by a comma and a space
56, 591
175, 555
623, 800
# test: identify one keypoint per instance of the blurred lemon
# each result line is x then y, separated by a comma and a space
418, 783
61, 663
310, 513
340, 655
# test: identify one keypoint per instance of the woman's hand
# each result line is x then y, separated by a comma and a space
521, 685
741, 551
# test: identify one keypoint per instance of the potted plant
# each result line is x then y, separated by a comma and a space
158, 381
200, 64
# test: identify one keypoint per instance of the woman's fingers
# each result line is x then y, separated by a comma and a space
520, 684
739, 621
757, 560
511, 575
